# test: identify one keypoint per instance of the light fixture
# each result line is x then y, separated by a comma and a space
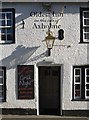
49, 41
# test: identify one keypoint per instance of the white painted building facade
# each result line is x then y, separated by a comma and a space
69, 57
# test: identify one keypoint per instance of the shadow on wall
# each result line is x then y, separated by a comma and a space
29, 12
19, 56
44, 54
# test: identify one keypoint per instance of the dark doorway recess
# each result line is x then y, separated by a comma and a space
49, 90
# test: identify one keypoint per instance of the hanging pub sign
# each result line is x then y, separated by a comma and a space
25, 81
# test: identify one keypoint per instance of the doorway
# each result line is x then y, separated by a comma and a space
49, 90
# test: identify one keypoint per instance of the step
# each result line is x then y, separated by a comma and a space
41, 117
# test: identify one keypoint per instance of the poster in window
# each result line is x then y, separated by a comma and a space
25, 82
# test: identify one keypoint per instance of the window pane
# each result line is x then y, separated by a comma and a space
1, 73
86, 14
86, 22
1, 87
77, 87
87, 71
3, 30
9, 30
87, 93
0, 15
77, 93
1, 94
86, 36
87, 79
77, 79
1, 80
3, 22
87, 86
3, 37
3, 16
86, 29
0, 22
8, 22
8, 15
9, 37
77, 72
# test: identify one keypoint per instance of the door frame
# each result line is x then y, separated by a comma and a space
60, 87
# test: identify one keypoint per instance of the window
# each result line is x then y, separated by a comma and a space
84, 25
81, 82
7, 26
87, 83
2, 84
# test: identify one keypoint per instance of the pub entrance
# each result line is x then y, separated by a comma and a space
49, 90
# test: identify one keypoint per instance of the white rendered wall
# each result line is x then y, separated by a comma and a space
29, 49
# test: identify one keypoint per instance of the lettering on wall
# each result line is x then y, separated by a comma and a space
25, 82
42, 20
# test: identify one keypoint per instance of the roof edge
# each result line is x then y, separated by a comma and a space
69, 1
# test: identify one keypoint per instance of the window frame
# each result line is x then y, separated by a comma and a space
86, 83
82, 10
12, 11
83, 83
2, 68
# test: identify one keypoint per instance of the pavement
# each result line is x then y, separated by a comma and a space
41, 117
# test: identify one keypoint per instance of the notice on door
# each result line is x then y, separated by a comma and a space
25, 82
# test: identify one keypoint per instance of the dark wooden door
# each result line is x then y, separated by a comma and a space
49, 90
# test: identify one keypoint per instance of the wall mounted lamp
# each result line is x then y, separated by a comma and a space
49, 39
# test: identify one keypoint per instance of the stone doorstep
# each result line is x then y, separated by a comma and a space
44, 119
42, 116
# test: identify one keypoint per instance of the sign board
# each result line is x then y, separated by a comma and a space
25, 82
